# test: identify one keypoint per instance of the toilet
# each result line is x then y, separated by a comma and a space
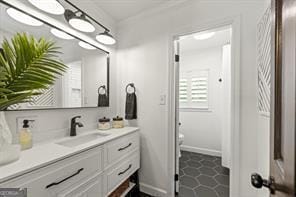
181, 139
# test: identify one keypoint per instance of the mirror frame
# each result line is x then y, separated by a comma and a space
76, 37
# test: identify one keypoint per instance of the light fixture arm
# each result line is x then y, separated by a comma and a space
88, 16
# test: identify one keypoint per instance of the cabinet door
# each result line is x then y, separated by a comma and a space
118, 173
51, 180
89, 188
121, 147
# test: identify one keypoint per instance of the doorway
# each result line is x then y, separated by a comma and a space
203, 109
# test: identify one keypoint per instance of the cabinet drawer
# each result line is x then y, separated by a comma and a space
91, 187
121, 147
124, 169
48, 181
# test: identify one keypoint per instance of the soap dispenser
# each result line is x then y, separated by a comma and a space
25, 136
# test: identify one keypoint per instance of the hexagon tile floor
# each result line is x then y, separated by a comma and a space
202, 176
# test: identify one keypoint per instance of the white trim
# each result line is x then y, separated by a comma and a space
201, 150
192, 109
266, 114
234, 22
151, 190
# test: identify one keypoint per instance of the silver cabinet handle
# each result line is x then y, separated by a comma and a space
121, 149
121, 173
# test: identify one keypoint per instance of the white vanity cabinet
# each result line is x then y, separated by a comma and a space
89, 188
92, 173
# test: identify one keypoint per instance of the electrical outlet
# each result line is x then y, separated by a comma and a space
33, 123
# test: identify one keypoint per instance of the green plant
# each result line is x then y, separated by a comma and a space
27, 66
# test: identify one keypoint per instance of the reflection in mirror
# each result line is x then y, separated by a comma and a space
81, 85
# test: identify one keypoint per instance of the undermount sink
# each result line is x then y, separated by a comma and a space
78, 140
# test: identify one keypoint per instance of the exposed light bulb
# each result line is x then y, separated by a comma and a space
106, 38
61, 34
23, 18
82, 24
49, 6
86, 45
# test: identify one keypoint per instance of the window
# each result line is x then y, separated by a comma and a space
183, 90
193, 89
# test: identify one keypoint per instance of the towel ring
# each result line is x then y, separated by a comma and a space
102, 87
130, 85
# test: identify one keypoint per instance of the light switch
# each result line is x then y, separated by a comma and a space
162, 100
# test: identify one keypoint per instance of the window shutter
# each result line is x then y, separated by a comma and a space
193, 89
183, 89
199, 89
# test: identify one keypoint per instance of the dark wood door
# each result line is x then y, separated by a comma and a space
281, 182
282, 164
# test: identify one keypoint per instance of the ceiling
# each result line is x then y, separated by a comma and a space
221, 37
122, 9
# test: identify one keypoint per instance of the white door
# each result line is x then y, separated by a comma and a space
177, 151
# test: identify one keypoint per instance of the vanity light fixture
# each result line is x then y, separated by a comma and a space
83, 23
61, 34
79, 22
106, 38
49, 6
204, 36
23, 18
86, 45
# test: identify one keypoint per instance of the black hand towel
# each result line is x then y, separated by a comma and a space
131, 106
103, 100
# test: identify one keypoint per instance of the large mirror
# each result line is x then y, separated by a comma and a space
86, 80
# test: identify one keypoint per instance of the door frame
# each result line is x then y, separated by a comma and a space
234, 22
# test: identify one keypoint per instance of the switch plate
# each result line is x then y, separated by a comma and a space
162, 100
33, 123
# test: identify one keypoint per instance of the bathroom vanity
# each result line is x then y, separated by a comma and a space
91, 164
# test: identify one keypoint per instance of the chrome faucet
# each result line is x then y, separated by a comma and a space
74, 124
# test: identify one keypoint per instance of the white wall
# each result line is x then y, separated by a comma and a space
143, 58
202, 128
4, 34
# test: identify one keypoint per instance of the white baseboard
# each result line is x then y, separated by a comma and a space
201, 150
153, 191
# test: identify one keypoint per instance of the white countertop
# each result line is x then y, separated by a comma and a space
49, 152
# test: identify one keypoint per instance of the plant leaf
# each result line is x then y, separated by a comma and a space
27, 66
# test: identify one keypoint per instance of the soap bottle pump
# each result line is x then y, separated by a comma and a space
25, 136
